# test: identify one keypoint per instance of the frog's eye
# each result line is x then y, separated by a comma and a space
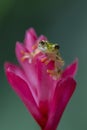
42, 42
57, 46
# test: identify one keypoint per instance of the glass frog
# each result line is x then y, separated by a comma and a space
51, 53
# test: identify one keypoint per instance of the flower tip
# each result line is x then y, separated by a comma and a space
6, 66
71, 69
18, 43
31, 31
75, 65
19, 46
42, 37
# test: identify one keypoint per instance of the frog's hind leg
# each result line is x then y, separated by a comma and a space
55, 74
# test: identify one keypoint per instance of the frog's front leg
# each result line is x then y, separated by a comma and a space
47, 61
55, 73
43, 59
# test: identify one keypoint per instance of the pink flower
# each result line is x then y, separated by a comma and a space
45, 97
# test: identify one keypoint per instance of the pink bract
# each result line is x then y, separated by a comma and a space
44, 97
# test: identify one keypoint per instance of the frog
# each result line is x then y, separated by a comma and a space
50, 52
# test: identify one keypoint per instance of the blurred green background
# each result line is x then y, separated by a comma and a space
62, 21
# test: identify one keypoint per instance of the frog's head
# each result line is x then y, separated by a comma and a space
48, 47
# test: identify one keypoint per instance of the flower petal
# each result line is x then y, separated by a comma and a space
30, 38
71, 69
38, 78
15, 69
29, 69
62, 95
46, 83
22, 89
41, 37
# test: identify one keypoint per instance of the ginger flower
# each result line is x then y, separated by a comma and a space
40, 81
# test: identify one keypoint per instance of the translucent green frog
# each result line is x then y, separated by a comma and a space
51, 53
